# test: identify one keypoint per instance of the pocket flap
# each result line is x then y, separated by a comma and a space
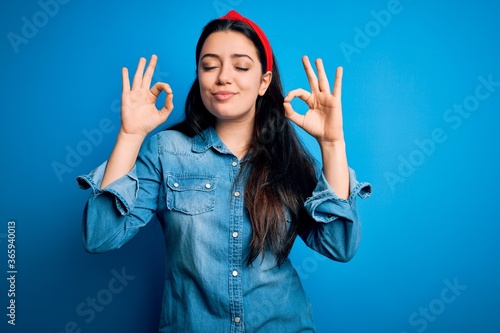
191, 183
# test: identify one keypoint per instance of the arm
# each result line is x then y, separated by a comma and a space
114, 214
139, 117
336, 231
323, 121
109, 217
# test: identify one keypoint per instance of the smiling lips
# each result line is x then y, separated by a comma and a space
223, 95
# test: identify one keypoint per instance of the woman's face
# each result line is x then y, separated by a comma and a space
230, 76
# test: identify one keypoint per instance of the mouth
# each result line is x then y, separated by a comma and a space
223, 95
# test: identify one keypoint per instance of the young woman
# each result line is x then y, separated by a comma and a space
231, 185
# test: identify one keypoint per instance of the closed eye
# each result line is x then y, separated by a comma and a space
243, 69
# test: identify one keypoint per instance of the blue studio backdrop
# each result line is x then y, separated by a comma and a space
421, 96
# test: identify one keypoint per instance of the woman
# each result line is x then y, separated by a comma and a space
231, 185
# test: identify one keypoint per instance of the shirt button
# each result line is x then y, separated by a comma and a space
208, 185
176, 184
235, 273
236, 194
237, 319
234, 163
235, 234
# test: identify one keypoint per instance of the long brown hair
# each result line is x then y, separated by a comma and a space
282, 173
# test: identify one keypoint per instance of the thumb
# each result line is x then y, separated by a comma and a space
169, 105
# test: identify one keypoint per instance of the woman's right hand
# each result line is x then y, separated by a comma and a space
139, 114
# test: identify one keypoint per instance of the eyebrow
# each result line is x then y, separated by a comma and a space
236, 55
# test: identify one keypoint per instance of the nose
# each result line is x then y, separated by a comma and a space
224, 75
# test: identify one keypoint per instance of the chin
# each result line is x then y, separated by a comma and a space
223, 111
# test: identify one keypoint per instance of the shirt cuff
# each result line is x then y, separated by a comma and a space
325, 205
124, 189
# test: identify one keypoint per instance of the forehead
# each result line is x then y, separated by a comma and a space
228, 43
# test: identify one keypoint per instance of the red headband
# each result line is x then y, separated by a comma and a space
235, 16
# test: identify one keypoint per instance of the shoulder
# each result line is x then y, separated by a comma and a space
172, 141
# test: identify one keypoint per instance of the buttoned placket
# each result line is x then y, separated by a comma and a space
235, 250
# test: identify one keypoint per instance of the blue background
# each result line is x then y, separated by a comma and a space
432, 221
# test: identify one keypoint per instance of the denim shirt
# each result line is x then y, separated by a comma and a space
192, 186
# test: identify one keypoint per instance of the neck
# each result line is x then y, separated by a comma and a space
236, 135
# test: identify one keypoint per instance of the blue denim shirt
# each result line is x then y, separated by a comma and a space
192, 186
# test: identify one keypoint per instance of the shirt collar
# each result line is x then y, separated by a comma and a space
208, 138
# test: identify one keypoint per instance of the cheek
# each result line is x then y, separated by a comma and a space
255, 87
258, 81
204, 87
204, 91
202, 82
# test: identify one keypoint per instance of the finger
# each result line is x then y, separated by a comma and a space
125, 80
159, 87
337, 85
311, 76
323, 83
138, 74
290, 113
148, 75
304, 95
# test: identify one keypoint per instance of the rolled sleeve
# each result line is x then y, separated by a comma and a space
124, 189
326, 206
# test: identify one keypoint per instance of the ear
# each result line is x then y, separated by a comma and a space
265, 82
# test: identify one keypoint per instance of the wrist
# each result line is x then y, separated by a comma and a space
123, 135
130, 140
332, 144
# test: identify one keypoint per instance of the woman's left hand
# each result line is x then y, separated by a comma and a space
323, 120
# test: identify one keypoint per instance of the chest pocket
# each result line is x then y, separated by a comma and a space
191, 194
